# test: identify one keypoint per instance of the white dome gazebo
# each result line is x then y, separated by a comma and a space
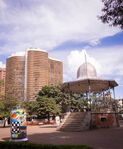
87, 83
86, 70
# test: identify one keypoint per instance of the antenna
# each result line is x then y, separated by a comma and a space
86, 63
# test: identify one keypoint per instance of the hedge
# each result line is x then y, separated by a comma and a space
27, 145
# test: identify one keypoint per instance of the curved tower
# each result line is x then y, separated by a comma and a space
26, 75
14, 83
37, 72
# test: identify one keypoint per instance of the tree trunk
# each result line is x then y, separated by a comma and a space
48, 117
4, 124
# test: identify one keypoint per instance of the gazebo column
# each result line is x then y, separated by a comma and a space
114, 92
103, 94
110, 92
87, 99
89, 92
115, 109
114, 99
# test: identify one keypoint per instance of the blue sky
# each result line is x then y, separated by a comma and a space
66, 29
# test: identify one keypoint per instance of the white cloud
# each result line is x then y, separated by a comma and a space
18, 54
2, 5
107, 61
110, 58
76, 58
2, 65
50, 23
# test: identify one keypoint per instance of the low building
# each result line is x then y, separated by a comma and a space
2, 81
120, 105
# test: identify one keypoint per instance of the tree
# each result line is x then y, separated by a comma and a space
55, 92
103, 102
6, 105
112, 12
30, 107
10, 103
2, 107
3, 113
51, 91
66, 101
47, 106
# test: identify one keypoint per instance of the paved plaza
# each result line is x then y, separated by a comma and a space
108, 138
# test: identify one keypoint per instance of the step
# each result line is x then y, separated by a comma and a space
75, 122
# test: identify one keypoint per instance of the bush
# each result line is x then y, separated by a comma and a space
27, 145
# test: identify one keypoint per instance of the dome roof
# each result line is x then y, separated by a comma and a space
86, 70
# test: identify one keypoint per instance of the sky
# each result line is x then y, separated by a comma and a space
66, 30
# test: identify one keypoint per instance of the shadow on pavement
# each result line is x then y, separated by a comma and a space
110, 138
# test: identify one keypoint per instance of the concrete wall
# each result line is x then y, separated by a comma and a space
104, 120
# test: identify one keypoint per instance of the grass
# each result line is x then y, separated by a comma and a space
27, 145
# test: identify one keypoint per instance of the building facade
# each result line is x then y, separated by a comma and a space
29, 73
2, 81
37, 72
14, 86
55, 72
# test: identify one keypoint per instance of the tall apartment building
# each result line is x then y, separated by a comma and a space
2, 81
29, 73
14, 86
55, 71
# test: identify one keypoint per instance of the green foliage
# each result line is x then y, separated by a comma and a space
65, 101
103, 102
78, 102
27, 145
55, 92
51, 100
10, 104
6, 105
112, 12
50, 91
30, 107
47, 106
2, 107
